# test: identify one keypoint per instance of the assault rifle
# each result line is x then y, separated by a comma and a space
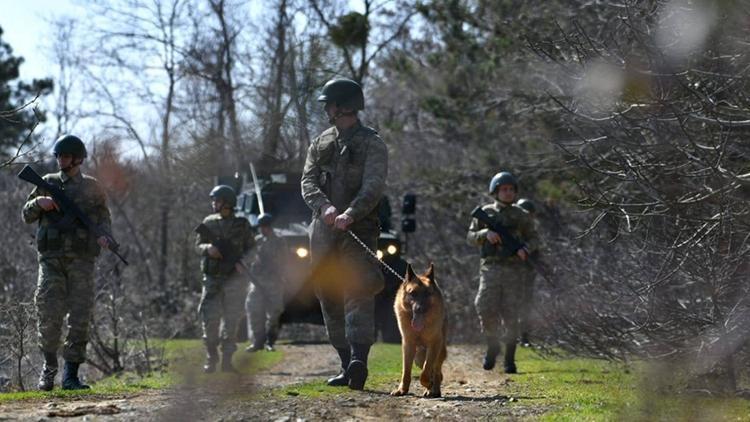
510, 243
71, 212
229, 257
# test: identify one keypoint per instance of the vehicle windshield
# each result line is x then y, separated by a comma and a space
283, 201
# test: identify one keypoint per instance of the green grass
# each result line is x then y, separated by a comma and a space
568, 389
184, 362
571, 389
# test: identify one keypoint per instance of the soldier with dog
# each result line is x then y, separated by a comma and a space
342, 182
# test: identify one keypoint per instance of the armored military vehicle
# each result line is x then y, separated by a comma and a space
280, 193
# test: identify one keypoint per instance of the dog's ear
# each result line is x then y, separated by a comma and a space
409, 273
430, 273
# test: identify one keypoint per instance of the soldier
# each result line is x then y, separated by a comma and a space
265, 298
66, 262
222, 247
528, 299
342, 182
502, 274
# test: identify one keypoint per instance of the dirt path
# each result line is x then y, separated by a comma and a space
469, 394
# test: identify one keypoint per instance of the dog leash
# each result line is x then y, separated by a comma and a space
374, 255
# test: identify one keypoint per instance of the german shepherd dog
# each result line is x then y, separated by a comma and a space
422, 320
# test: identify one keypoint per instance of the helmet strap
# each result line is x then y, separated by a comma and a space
339, 113
76, 161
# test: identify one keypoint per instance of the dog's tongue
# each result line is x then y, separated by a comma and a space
417, 323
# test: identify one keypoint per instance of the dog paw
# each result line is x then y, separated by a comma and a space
399, 392
431, 394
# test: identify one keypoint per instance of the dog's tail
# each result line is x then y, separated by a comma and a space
420, 357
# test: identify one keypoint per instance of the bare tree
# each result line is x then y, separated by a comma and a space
657, 131
356, 34
143, 39
18, 323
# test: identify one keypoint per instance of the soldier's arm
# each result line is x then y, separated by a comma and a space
477, 234
201, 245
529, 235
31, 211
373, 181
311, 189
248, 242
256, 262
101, 214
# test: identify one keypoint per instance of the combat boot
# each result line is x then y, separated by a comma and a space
525, 339
47, 378
226, 359
490, 356
509, 365
254, 348
70, 379
212, 358
271, 340
357, 369
341, 380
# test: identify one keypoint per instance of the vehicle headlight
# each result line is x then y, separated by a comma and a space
302, 252
391, 249
380, 254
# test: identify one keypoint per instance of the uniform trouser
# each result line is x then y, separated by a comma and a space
65, 287
221, 301
500, 299
264, 305
346, 282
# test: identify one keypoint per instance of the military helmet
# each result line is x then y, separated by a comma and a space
503, 178
225, 193
527, 205
70, 144
265, 219
344, 93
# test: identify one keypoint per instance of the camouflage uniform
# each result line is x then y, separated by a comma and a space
347, 170
66, 264
265, 299
502, 278
223, 287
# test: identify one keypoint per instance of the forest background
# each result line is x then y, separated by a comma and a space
625, 122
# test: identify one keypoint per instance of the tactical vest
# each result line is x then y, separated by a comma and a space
231, 238
506, 218
60, 236
342, 166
